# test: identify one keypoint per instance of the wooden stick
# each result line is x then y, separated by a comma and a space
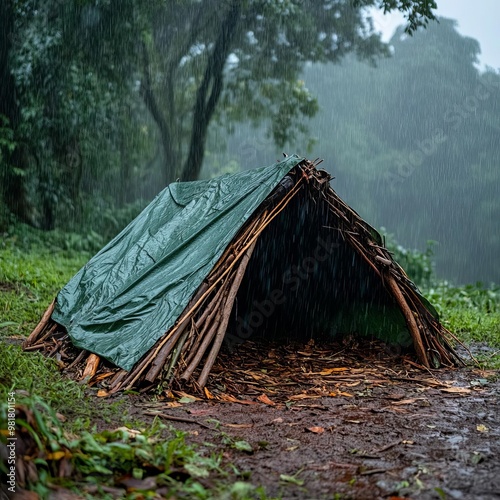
213, 304
207, 339
77, 359
206, 327
138, 370
47, 332
41, 325
91, 366
177, 352
409, 318
153, 353
117, 378
164, 352
221, 331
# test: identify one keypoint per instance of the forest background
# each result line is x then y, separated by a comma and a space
104, 103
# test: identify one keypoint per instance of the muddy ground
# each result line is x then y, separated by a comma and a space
340, 421
360, 424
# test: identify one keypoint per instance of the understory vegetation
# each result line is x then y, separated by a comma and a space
61, 416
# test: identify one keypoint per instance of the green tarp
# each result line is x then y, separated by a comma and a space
129, 294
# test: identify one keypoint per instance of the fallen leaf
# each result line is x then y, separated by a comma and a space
482, 428
231, 399
298, 397
57, 455
131, 432
406, 401
353, 384
316, 430
101, 393
208, 394
329, 371
264, 399
457, 390
172, 404
242, 445
188, 396
102, 376
187, 400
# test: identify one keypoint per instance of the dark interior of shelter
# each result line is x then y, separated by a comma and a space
305, 281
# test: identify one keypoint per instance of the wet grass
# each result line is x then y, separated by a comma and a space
472, 312
29, 280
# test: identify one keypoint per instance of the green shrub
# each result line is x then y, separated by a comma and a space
418, 265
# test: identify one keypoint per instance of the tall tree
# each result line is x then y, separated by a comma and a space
79, 66
241, 60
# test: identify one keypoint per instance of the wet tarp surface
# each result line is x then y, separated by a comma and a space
129, 294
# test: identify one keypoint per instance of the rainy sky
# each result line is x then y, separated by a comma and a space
479, 20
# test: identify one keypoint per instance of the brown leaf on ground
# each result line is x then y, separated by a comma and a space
316, 430
264, 399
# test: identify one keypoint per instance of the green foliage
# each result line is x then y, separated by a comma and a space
111, 103
419, 266
33, 375
97, 460
7, 142
29, 281
472, 312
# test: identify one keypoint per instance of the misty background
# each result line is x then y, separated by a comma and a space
103, 104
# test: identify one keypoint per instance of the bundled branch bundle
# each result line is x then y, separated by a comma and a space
430, 337
186, 353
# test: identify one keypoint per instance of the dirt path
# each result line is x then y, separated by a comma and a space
375, 428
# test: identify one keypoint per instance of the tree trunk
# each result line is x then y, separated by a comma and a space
171, 156
209, 93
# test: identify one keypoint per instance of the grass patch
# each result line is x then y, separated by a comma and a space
472, 312
29, 280
125, 463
